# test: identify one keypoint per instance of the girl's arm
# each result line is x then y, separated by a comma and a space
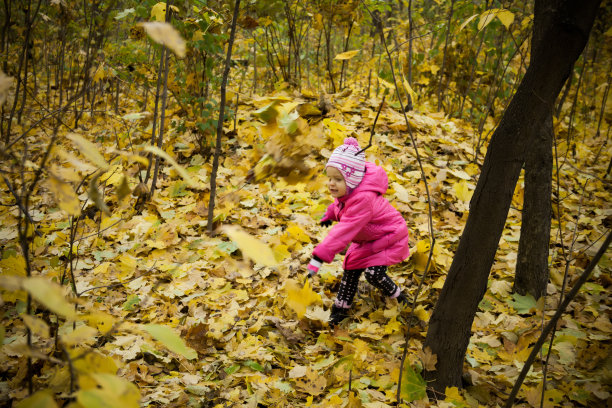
356, 215
330, 213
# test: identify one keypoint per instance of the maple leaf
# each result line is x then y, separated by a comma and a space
300, 297
413, 385
312, 383
523, 304
428, 359
251, 247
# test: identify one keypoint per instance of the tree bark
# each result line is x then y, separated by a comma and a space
563, 27
532, 262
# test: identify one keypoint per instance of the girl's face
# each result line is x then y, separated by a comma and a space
335, 183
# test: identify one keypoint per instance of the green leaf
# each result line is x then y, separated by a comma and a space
413, 385
178, 190
289, 122
180, 169
231, 369
522, 304
171, 340
124, 13
41, 399
283, 386
254, 365
50, 295
268, 113
229, 247
131, 301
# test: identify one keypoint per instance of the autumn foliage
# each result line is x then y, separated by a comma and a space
114, 294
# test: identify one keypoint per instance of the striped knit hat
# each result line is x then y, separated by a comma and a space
350, 165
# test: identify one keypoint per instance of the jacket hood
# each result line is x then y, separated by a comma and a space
375, 179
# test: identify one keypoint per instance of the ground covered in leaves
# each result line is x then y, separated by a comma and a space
255, 333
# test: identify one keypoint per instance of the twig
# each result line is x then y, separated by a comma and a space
373, 127
429, 203
563, 286
553, 322
226, 71
19, 204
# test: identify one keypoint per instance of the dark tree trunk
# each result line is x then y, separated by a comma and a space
563, 27
532, 261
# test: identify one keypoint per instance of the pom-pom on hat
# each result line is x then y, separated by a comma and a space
350, 164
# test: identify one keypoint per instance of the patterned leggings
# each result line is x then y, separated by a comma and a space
376, 275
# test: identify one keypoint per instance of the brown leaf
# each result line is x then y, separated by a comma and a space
428, 359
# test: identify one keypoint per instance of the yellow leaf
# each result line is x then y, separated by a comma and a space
13, 266
466, 22
318, 313
165, 34
110, 391
250, 246
346, 55
281, 252
41, 399
462, 192
158, 11
93, 362
127, 265
49, 294
486, 18
454, 396
74, 161
300, 297
298, 233
506, 17
37, 326
180, 169
421, 313
65, 196
337, 131
401, 193
101, 320
89, 150
472, 169
80, 336
409, 89
421, 255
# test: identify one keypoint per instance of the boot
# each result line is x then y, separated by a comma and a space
337, 315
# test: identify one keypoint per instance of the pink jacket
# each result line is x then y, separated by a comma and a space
376, 229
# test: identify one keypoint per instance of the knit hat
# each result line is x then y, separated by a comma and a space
350, 165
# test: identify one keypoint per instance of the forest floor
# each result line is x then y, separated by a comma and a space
260, 334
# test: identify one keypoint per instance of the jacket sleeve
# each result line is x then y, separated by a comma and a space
357, 214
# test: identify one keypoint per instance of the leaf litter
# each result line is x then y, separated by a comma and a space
252, 330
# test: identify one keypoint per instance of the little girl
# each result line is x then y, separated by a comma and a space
377, 231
